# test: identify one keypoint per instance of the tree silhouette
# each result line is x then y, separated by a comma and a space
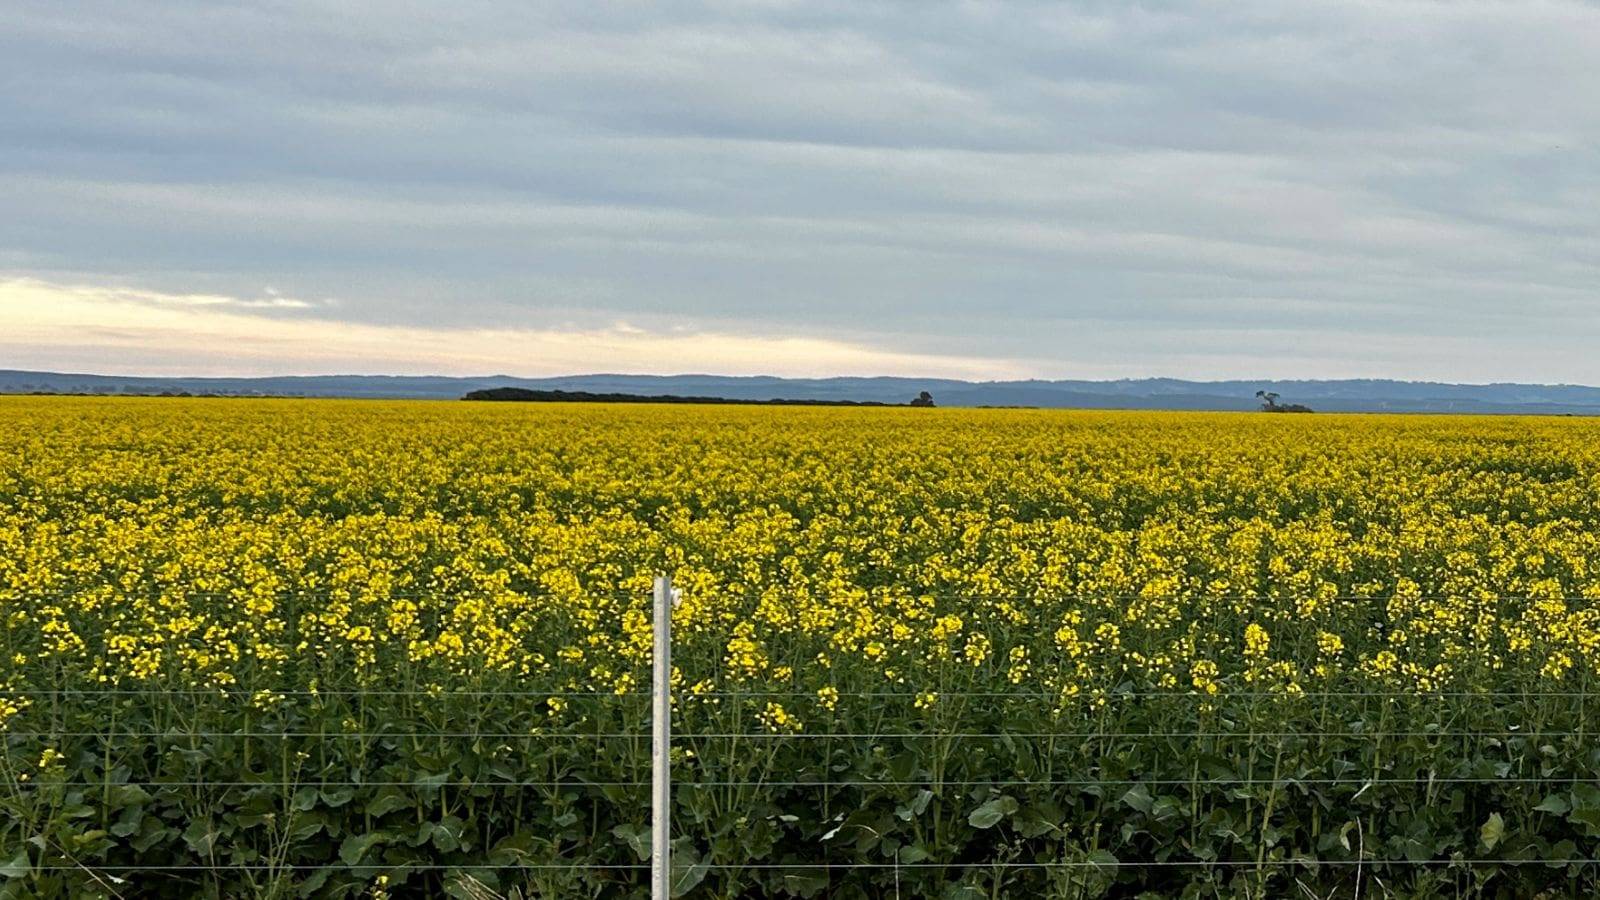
1269, 403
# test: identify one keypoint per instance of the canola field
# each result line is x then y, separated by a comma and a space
294, 648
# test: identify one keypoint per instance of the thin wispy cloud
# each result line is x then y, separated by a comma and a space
119, 331
270, 299
1247, 188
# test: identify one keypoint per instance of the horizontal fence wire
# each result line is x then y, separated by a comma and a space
1156, 695
250, 693
824, 866
151, 591
341, 867
1126, 735
864, 783
1169, 863
851, 592
331, 736
803, 735
318, 785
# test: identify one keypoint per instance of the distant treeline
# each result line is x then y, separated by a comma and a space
529, 396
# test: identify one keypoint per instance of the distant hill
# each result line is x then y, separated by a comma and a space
1354, 395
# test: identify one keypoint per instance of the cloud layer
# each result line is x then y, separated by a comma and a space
88, 329
1246, 188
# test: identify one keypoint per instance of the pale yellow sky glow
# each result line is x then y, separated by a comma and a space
139, 332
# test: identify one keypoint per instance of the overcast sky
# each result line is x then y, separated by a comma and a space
1250, 188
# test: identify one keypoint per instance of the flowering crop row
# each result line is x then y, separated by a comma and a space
384, 648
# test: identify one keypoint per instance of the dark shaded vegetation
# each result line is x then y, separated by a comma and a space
523, 395
1269, 403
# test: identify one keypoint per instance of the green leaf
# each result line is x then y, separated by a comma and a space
314, 882
1034, 825
1561, 850
1554, 804
913, 854
1104, 859
1587, 816
916, 807
124, 795
637, 837
17, 867
304, 799
1138, 797
801, 884
1165, 809
304, 828
990, 814
201, 837
129, 822
1585, 797
388, 800
447, 833
152, 835
1494, 828
516, 849
77, 810
355, 847
337, 798
687, 871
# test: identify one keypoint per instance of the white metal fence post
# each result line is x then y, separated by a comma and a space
661, 746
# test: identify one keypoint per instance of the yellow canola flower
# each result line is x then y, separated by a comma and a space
255, 547
775, 718
828, 697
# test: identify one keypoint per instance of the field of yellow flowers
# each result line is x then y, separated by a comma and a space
286, 648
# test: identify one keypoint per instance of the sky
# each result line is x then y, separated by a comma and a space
1249, 188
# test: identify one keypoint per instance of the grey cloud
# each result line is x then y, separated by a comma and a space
984, 178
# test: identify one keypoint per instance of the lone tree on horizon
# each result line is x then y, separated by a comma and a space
923, 399
1269, 403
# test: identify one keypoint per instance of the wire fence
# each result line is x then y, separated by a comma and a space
879, 592
1205, 781
703, 776
1304, 862
782, 693
805, 736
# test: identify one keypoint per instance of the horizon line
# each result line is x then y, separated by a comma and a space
792, 378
